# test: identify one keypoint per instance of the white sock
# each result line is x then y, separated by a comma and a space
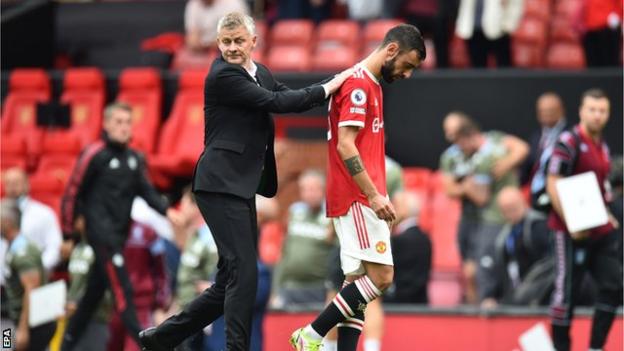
330, 345
312, 333
372, 345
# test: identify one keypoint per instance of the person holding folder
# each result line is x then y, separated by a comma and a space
582, 150
25, 272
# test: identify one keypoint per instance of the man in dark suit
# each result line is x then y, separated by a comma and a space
411, 251
237, 162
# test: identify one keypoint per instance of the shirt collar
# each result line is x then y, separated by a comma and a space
252, 70
369, 73
406, 224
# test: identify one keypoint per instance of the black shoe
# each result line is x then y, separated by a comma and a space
149, 342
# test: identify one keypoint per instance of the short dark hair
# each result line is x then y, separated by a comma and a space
595, 93
408, 37
117, 105
468, 126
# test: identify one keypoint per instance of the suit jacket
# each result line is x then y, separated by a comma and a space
531, 163
499, 18
238, 156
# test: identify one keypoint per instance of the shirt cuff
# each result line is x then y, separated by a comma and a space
326, 90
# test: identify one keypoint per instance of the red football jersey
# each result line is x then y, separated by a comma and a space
359, 102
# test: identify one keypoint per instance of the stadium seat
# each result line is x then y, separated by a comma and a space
537, 9
57, 142
565, 56
13, 151
526, 55
430, 61
561, 31
531, 31
263, 36
375, 30
53, 172
418, 180
84, 91
186, 59
292, 32
458, 53
334, 59
182, 135
141, 88
444, 289
27, 87
289, 59
568, 8
333, 34
446, 214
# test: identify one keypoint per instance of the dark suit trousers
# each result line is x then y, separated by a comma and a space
232, 221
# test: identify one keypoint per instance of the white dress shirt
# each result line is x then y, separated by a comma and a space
40, 225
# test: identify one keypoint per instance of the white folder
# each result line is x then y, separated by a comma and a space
47, 303
581, 201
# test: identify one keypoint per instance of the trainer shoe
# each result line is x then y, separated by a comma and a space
300, 341
149, 342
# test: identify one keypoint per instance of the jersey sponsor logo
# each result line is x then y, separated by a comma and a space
358, 97
377, 125
358, 110
114, 163
381, 247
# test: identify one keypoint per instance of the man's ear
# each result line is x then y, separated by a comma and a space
392, 50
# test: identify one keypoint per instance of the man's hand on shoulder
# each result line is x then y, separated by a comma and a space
334, 84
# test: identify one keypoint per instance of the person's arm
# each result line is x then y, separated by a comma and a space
30, 280
53, 239
355, 166
517, 151
234, 88
476, 189
147, 191
82, 175
451, 186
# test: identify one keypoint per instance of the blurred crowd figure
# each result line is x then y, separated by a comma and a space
475, 168
201, 17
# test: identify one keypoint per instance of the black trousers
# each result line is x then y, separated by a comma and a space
108, 271
232, 221
572, 259
479, 47
602, 47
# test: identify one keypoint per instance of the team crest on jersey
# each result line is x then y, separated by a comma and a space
358, 97
114, 163
381, 247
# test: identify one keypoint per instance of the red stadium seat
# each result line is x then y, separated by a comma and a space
531, 31
142, 89
458, 53
57, 168
561, 31
527, 55
289, 59
263, 36
182, 135
84, 91
295, 32
334, 59
565, 56
27, 87
568, 8
445, 289
537, 9
446, 214
333, 34
13, 152
57, 142
186, 59
375, 30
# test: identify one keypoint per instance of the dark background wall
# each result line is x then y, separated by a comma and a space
502, 100
414, 108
